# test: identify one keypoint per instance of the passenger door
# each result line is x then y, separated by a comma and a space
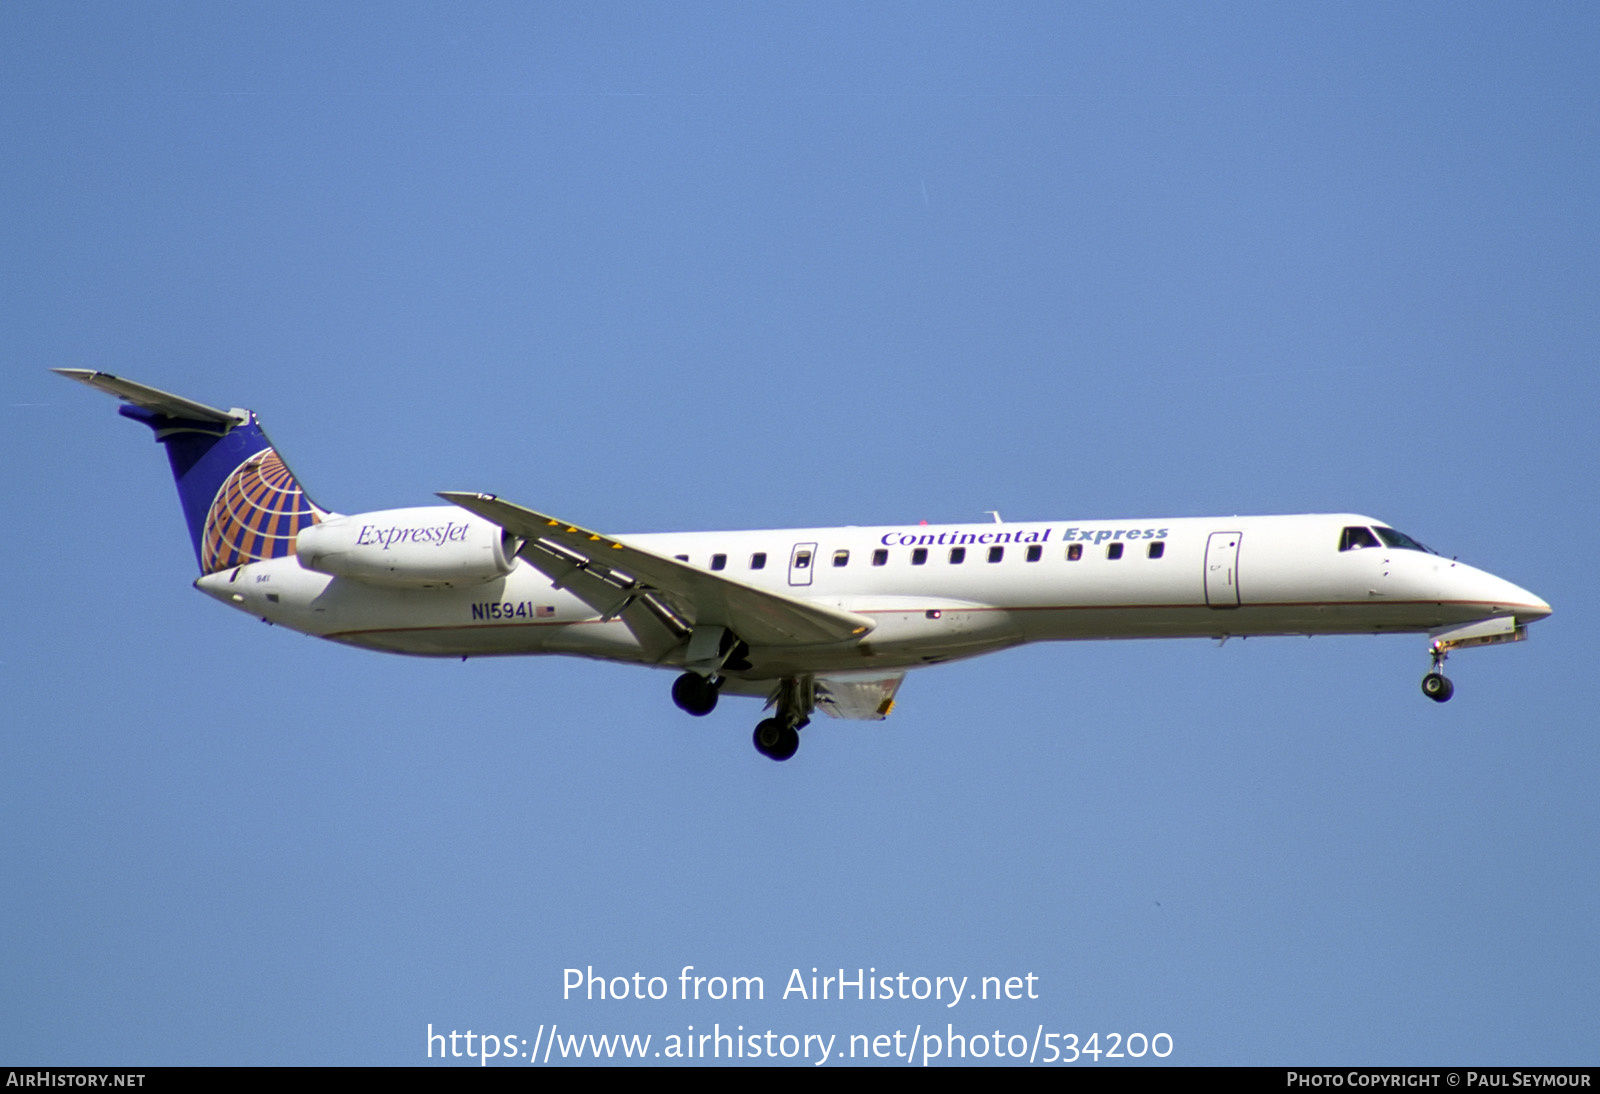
1222, 569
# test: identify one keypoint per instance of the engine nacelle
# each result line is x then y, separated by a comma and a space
414, 548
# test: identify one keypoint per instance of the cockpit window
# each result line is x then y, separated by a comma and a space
1354, 537
1402, 541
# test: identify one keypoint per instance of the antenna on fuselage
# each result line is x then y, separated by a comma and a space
995, 514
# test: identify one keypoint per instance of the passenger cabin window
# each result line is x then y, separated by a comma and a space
919, 555
1114, 551
1035, 553
996, 554
802, 560
758, 561
1074, 552
681, 558
880, 557
841, 558
1355, 537
1157, 550
719, 562
958, 555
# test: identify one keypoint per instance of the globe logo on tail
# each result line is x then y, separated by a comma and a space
256, 515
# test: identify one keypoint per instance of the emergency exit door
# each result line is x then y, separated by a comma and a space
802, 561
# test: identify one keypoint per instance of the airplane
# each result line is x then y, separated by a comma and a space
808, 619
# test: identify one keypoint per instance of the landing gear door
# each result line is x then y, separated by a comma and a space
802, 560
1222, 569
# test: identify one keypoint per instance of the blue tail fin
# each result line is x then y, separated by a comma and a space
239, 497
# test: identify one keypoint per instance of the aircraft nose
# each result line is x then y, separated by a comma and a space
1500, 596
1524, 605
1532, 608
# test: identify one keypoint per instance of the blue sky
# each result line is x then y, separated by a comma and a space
661, 267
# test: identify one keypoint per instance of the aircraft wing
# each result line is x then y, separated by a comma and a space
612, 577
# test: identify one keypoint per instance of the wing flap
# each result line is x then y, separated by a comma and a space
699, 597
657, 629
860, 698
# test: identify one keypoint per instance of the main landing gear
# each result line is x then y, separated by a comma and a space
778, 737
1436, 685
712, 649
696, 694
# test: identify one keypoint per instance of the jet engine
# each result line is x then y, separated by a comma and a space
412, 548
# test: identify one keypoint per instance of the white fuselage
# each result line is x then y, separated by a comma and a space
1207, 577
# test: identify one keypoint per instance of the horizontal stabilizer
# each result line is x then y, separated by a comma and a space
161, 402
761, 617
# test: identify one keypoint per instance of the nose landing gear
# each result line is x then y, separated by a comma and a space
1436, 685
1493, 631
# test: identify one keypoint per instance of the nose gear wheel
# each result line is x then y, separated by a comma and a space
1436, 685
